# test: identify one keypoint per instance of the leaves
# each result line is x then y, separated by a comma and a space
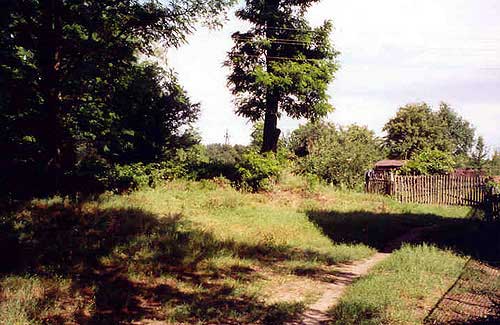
337, 155
416, 127
429, 162
71, 83
282, 64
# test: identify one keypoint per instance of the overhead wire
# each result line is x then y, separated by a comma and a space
295, 29
283, 58
299, 42
274, 40
283, 41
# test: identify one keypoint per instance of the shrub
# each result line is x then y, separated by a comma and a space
257, 171
222, 160
338, 156
190, 162
429, 162
134, 176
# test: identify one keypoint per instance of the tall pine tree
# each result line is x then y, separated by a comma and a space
281, 65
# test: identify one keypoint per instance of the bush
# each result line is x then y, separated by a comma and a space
134, 176
429, 162
222, 160
339, 156
257, 171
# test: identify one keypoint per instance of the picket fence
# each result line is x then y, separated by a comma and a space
430, 189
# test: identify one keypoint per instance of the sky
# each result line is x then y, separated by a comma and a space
393, 52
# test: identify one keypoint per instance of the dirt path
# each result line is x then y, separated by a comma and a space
345, 275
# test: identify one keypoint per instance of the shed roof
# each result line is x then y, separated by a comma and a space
390, 163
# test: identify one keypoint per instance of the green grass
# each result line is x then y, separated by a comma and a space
401, 289
192, 252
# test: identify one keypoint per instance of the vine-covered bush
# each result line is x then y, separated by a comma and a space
429, 162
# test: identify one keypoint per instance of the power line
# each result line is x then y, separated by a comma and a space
283, 58
431, 49
296, 29
274, 40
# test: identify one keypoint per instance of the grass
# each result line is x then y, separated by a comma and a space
473, 299
401, 289
192, 252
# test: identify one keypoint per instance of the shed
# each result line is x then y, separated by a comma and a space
388, 165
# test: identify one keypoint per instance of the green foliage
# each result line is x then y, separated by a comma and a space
73, 90
139, 175
258, 171
149, 115
223, 154
337, 155
493, 165
416, 127
457, 130
280, 65
306, 136
479, 155
222, 161
257, 135
429, 162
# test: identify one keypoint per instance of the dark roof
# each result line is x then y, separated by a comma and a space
468, 172
390, 163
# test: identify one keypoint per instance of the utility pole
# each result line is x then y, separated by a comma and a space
226, 137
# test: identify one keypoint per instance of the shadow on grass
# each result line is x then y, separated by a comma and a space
466, 236
116, 260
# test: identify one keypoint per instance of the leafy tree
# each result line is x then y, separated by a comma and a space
224, 154
493, 165
479, 155
458, 131
150, 112
339, 155
429, 162
306, 136
413, 129
281, 65
68, 70
416, 127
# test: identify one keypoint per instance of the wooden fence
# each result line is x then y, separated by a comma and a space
492, 205
430, 189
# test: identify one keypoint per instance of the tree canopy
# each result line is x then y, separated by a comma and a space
479, 156
339, 155
457, 131
280, 65
72, 87
417, 127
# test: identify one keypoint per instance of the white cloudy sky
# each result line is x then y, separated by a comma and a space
393, 52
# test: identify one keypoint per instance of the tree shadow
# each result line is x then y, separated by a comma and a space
466, 236
101, 250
